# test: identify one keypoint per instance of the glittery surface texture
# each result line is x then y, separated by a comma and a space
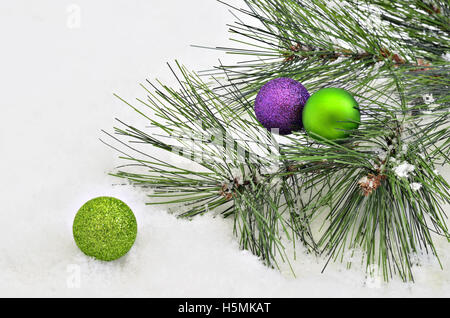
279, 104
105, 228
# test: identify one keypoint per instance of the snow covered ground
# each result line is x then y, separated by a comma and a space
60, 63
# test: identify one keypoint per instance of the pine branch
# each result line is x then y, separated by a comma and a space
378, 188
391, 68
330, 43
236, 160
370, 203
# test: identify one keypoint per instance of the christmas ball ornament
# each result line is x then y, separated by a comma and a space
105, 228
330, 114
279, 104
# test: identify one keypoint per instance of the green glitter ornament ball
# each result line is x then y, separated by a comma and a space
330, 113
105, 228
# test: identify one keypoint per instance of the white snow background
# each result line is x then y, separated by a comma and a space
57, 78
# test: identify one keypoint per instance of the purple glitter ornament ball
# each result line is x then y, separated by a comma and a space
279, 104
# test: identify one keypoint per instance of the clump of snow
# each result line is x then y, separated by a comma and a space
382, 154
363, 180
404, 169
446, 56
415, 186
428, 99
404, 149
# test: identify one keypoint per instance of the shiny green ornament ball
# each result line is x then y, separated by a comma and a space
330, 114
105, 228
